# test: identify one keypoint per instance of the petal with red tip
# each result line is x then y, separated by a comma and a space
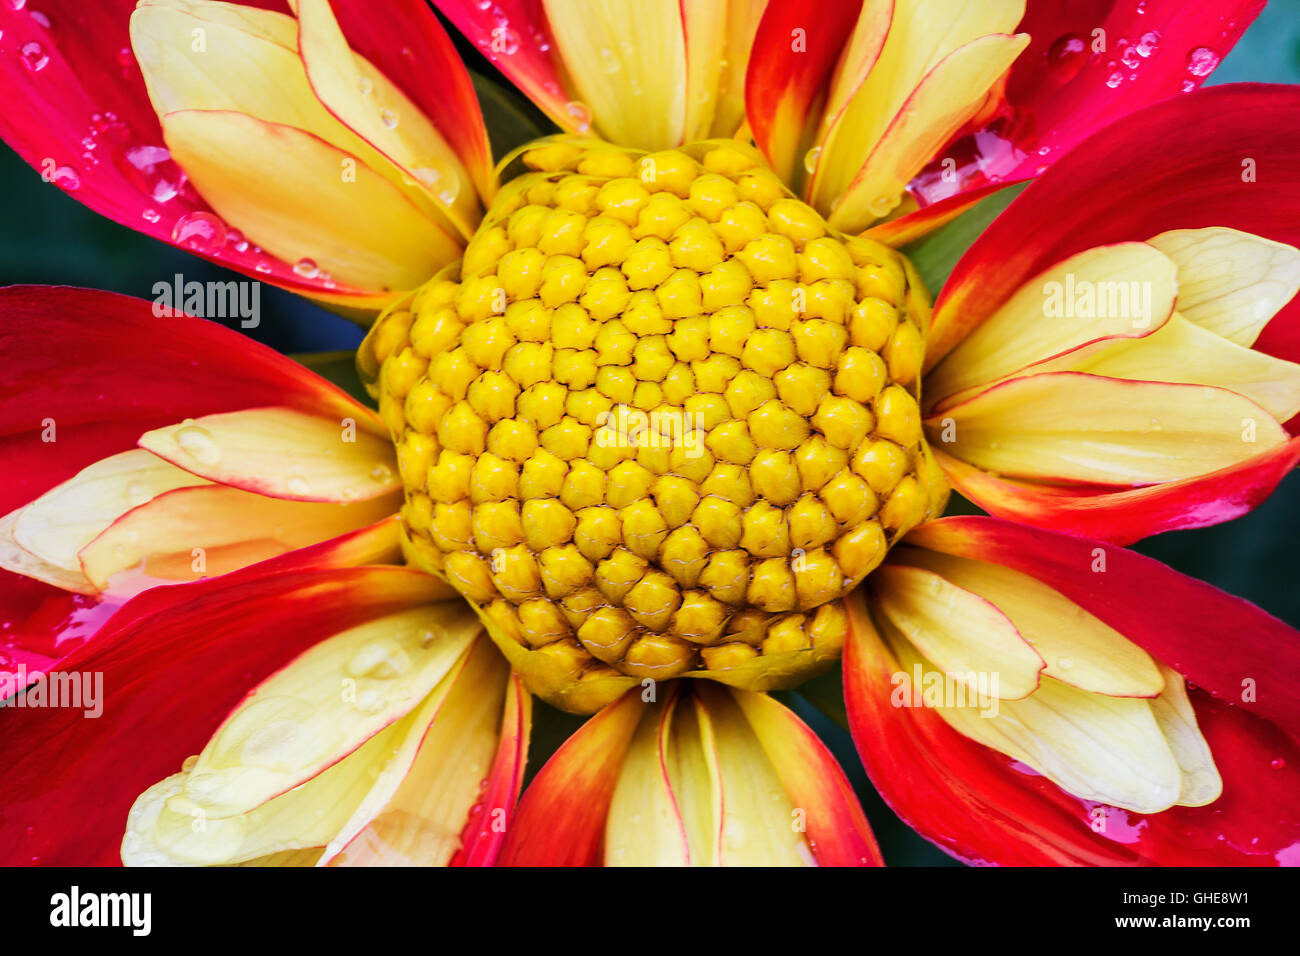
1088, 198
89, 372
560, 820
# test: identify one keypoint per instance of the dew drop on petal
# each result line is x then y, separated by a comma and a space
365, 86
1066, 56
1148, 44
65, 177
34, 56
306, 268
40, 18
388, 118
810, 159
150, 215
200, 231
197, 442
581, 114
1202, 61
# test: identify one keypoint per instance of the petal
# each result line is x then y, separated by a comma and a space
791, 61
67, 782
1201, 783
636, 91
281, 453
1218, 642
1070, 426
78, 111
211, 530
560, 820
837, 830
963, 634
949, 94
1122, 517
56, 526
420, 822
307, 200
1088, 199
515, 36
1106, 749
484, 835
1229, 281
1130, 288
361, 97
1088, 64
88, 373
1078, 649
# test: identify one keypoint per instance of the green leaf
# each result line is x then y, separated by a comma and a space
937, 254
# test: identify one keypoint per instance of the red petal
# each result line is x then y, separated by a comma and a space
485, 834
410, 47
782, 84
516, 37
1122, 517
168, 680
75, 108
1059, 91
561, 819
985, 808
1192, 177
96, 366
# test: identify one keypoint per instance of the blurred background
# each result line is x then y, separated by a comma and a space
47, 237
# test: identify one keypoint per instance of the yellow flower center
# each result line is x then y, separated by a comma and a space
659, 420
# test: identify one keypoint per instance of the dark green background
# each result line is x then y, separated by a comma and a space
47, 237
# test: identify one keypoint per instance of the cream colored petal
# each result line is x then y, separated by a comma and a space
1108, 749
327, 703
645, 826
282, 453
963, 634
1126, 289
1070, 426
1201, 783
1079, 649
1231, 282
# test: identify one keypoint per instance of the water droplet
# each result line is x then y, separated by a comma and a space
1129, 57
609, 62
388, 118
65, 177
16, 4
369, 702
810, 159
581, 114
40, 18
197, 442
382, 474
1148, 44
1202, 61
263, 268
449, 194
1115, 79
1066, 663
379, 660
1277, 763
200, 231
306, 268
1066, 56
152, 169
1188, 86
365, 85
137, 493
237, 240
34, 56
297, 485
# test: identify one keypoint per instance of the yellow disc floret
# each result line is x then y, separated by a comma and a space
658, 421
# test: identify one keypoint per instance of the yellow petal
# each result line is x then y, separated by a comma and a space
1068, 426
228, 527
943, 102
415, 813
282, 453
1108, 749
645, 826
922, 34
301, 198
1079, 649
1182, 351
57, 525
960, 632
628, 65
327, 703
1201, 783
1126, 289
363, 99
1231, 282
